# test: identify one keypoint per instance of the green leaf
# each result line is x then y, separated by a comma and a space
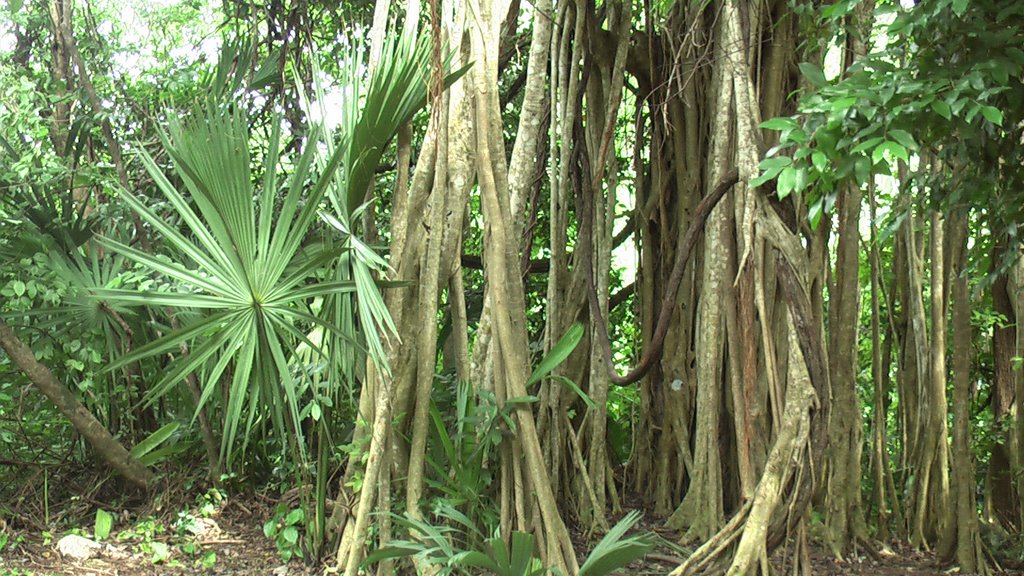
268, 72
290, 534
518, 400
862, 169
903, 137
295, 516
787, 182
18, 287
895, 149
942, 109
993, 115
814, 74
820, 161
575, 388
161, 551
867, 145
104, 522
814, 213
780, 123
559, 352
155, 439
614, 551
476, 559
960, 6
770, 169
394, 549
843, 104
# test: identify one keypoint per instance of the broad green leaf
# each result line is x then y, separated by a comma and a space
770, 169
295, 516
814, 74
814, 213
104, 522
993, 115
862, 169
903, 137
820, 161
868, 144
942, 109
787, 182
780, 123
843, 104
802, 180
476, 559
895, 149
166, 452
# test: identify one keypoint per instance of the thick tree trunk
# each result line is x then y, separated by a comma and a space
1002, 501
702, 511
106, 446
843, 496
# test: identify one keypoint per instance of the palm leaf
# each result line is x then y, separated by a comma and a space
240, 258
615, 551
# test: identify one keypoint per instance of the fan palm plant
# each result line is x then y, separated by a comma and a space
243, 257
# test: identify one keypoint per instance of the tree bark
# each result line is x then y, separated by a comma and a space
968, 542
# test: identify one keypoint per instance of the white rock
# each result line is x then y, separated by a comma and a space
78, 547
205, 528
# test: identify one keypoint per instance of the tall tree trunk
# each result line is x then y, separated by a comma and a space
501, 270
843, 496
880, 452
702, 511
1000, 489
969, 553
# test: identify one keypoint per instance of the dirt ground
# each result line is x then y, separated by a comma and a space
239, 547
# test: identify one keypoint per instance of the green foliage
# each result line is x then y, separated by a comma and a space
438, 546
146, 452
247, 266
615, 550
517, 558
285, 528
945, 87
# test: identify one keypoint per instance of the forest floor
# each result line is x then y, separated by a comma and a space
158, 537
